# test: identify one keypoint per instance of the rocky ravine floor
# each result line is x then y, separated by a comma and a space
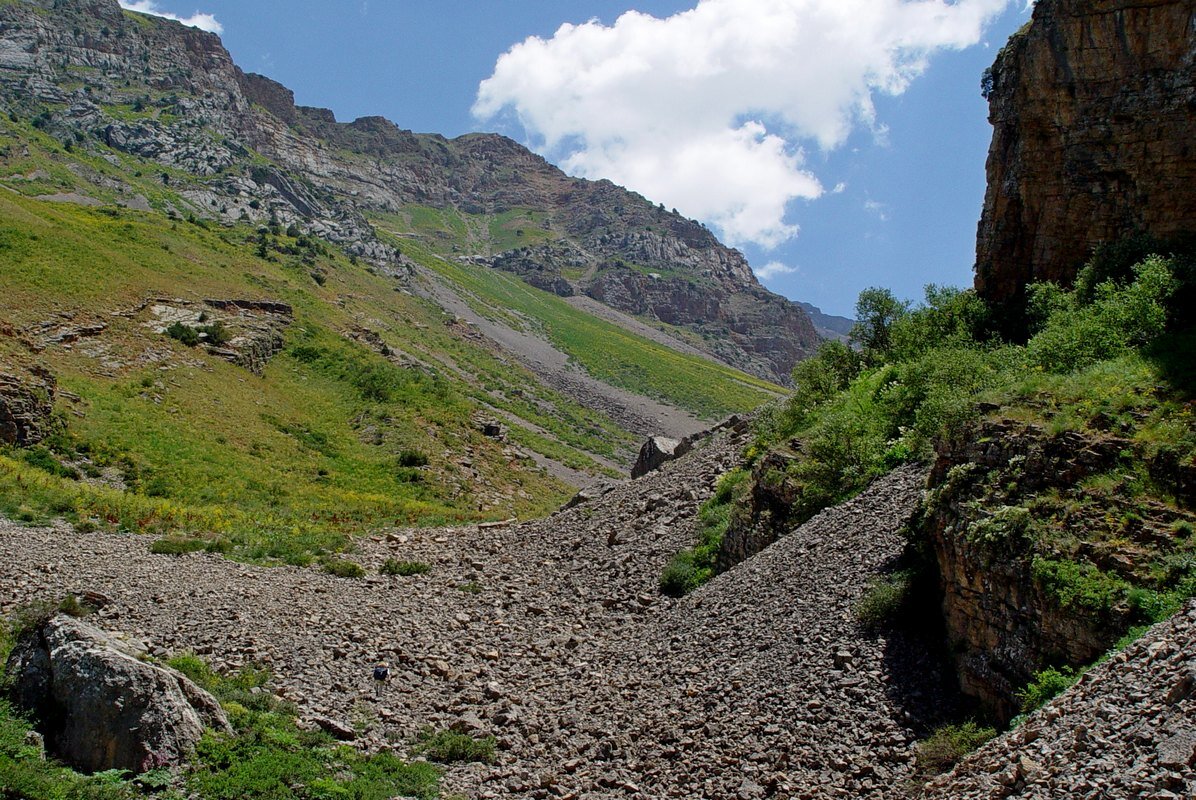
760, 684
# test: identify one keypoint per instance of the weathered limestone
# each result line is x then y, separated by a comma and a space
1093, 107
101, 708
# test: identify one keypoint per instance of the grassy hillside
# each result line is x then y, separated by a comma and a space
307, 452
604, 350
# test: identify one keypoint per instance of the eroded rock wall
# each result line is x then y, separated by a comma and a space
1093, 107
1006, 495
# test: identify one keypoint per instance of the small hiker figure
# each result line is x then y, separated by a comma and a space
381, 676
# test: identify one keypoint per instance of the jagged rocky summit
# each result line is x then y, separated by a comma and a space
153, 88
1093, 106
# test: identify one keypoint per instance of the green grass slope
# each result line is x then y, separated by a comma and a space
283, 464
433, 237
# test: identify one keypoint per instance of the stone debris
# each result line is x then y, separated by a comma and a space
552, 636
1127, 729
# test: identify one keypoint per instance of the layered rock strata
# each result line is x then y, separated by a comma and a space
1004, 496
27, 406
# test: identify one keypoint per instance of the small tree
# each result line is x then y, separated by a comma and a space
876, 310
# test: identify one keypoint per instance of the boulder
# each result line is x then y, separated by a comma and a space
589, 493
101, 708
655, 452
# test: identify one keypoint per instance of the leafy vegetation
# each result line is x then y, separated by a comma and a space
393, 566
1047, 684
1108, 360
886, 599
948, 745
447, 747
694, 566
268, 756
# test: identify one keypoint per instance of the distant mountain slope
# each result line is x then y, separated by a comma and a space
94, 75
828, 325
208, 326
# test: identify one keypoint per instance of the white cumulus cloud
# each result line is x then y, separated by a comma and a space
711, 110
205, 22
772, 269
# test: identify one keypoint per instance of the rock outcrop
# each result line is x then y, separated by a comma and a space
1007, 496
656, 451
101, 708
1093, 106
27, 406
252, 331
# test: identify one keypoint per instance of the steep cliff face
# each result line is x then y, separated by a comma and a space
1093, 106
155, 89
1046, 548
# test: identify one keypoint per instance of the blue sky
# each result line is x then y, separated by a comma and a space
839, 143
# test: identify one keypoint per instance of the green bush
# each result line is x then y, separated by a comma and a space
449, 747
342, 568
217, 335
1078, 334
1080, 587
412, 458
682, 575
41, 458
886, 600
1045, 686
948, 745
183, 333
393, 566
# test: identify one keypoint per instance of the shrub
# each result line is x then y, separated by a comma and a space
885, 600
948, 745
342, 568
1045, 686
183, 333
448, 747
217, 334
1119, 318
1079, 586
412, 458
682, 575
393, 566
1008, 526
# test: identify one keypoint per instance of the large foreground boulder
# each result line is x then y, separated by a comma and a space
101, 708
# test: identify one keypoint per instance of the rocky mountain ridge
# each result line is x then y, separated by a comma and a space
244, 151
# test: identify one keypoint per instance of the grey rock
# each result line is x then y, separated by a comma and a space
99, 707
654, 453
